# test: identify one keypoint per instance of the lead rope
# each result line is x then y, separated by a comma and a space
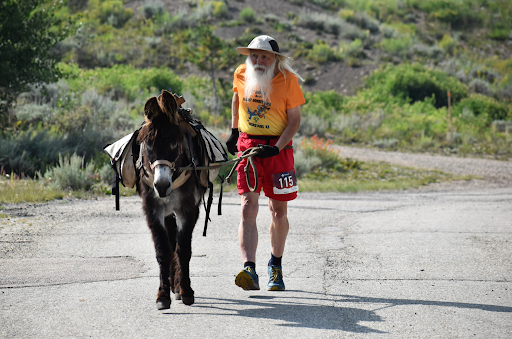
248, 153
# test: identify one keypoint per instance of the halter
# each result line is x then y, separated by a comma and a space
148, 177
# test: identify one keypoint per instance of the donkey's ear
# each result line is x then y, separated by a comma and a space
151, 109
168, 103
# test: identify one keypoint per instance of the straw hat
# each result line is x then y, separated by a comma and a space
262, 43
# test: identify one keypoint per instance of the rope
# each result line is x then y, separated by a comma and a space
257, 149
248, 153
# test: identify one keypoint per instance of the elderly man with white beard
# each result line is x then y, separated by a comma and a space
265, 111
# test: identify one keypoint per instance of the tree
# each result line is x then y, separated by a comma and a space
28, 32
210, 53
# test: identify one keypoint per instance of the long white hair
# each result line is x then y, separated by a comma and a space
283, 64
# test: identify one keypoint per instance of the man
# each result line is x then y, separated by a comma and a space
265, 111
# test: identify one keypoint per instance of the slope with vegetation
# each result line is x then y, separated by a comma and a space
411, 75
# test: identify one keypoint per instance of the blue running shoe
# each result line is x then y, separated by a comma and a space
275, 278
247, 279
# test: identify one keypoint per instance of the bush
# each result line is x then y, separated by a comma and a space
459, 14
353, 49
322, 53
414, 82
500, 34
323, 104
447, 43
71, 173
397, 46
114, 13
153, 8
329, 24
220, 10
247, 14
480, 86
430, 52
315, 155
313, 125
365, 22
482, 105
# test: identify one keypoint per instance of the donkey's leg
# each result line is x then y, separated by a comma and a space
163, 253
184, 253
174, 276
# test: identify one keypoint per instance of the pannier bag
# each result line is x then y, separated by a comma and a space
123, 157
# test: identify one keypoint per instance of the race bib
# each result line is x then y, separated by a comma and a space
285, 183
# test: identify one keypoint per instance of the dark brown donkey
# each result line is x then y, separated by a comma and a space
170, 197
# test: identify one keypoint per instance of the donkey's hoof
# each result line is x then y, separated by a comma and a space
177, 296
187, 300
163, 304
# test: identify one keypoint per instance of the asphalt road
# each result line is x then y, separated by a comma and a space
412, 264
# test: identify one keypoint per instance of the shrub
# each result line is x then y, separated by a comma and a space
72, 173
314, 154
414, 82
114, 13
483, 105
220, 10
397, 46
152, 8
353, 49
431, 52
500, 34
247, 14
447, 43
365, 22
458, 14
345, 14
322, 53
480, 86
329, 24
313, 125
323, 104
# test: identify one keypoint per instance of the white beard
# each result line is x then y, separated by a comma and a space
257, 80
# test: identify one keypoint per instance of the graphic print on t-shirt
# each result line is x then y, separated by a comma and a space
255, 116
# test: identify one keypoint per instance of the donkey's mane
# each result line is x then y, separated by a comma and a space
161, 121
160, 128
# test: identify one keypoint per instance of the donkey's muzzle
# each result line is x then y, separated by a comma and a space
163, 189
162, 183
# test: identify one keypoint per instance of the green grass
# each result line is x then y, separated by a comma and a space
36, 191
374, 177
16, 191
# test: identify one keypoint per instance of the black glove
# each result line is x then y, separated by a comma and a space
232, 140
268, 151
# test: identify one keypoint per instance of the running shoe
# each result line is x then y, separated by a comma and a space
247, 279
275, 278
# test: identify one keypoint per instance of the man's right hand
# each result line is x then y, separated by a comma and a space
232, 140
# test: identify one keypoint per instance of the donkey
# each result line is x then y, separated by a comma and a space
171, 211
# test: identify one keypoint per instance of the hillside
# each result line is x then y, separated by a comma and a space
343, 76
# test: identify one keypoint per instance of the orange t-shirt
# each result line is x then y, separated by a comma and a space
259, 118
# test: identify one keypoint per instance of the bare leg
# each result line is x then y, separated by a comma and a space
279, 226
248, 231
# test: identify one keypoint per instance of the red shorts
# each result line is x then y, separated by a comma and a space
276, 174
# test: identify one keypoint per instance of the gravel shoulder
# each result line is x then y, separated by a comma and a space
490, 173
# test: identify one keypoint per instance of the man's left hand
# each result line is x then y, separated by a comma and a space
268, 151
